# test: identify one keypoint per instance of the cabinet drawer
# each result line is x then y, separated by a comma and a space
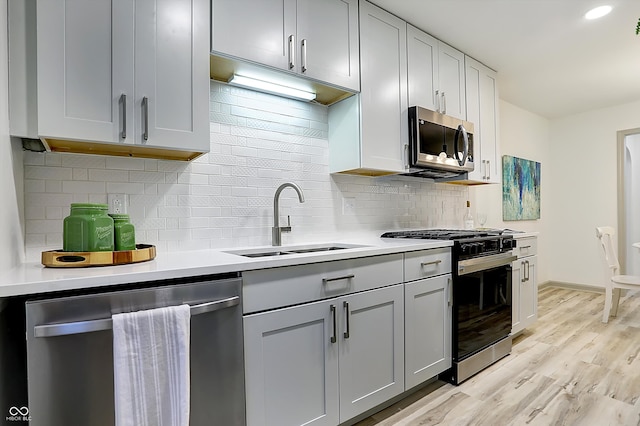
427, 263
526, 247
277, 287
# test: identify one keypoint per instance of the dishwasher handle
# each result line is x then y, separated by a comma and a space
78, 327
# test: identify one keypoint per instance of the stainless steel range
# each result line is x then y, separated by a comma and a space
481, 296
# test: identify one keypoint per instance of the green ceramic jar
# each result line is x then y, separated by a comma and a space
88, 228
124, 232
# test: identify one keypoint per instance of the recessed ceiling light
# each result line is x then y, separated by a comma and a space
598, 12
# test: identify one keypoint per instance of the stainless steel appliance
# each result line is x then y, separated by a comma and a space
440, 146
482, 279
70, 351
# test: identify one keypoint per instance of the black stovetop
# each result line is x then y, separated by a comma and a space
442, 234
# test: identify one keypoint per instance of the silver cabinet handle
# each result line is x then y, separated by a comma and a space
523, 273
484, 163
437, 101
345, 304
344, 277
292, 52
527, 262
444, 103
434, 262
123, 102
303, 61
450, 288
488, 170
79, 327
333, 314
145, 112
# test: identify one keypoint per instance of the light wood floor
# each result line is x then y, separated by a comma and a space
567, 369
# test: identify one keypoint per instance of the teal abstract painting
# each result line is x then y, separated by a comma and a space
520, 189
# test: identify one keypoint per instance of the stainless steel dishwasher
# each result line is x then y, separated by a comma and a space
70, 351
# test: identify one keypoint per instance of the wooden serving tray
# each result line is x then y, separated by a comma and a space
74, 259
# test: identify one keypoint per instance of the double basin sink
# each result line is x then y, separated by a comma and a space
291, 250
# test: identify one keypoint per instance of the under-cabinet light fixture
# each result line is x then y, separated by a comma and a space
598, 12
273, 88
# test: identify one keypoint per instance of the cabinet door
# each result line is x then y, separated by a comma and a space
85, 52
291, 366
371, 349
529, 291
383, 47
451, 81
428, 329
328, 41
517, 282
422, 68
255, 30
171, 103
482, 111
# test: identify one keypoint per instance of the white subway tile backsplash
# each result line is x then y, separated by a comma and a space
124, 163
103, 175
33, 185
48, 172
83, 161
83, 187
225, 198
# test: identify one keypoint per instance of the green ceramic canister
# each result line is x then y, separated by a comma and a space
124, 232
88, 228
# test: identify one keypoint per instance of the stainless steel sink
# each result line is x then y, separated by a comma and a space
291, 250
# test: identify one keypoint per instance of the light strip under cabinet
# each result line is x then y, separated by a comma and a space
272, 88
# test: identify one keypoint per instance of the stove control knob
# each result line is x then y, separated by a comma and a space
479, 248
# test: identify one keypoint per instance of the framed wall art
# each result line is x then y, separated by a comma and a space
520, 189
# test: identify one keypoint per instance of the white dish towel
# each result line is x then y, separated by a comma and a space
151, 367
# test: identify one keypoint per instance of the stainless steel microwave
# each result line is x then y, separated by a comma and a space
440, 146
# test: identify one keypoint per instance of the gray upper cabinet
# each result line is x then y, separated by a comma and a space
384, 89
482, 111
435, 74
314, 38
117, 74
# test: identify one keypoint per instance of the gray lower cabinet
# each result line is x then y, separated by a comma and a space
324, 362
428, 314
524, 294
427, 328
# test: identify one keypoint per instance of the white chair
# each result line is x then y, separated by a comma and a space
628, 282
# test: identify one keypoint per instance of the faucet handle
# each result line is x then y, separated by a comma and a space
288, 227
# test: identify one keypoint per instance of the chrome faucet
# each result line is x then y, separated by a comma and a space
277, 230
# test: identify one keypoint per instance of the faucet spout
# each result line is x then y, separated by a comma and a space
277, 230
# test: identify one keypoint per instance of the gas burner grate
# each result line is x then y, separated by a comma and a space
436, 234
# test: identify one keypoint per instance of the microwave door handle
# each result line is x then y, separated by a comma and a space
465, 137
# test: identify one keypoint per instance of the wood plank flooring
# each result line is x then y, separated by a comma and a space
567, 369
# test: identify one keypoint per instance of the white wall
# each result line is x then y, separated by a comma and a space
525, 135
11, 234
225, 198
583, 169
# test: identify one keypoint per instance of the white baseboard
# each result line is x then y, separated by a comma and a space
571, 286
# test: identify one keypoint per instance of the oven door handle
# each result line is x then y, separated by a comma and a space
482, 263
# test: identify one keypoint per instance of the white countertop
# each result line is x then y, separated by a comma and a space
32, 278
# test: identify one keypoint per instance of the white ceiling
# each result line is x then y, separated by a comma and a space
550, 60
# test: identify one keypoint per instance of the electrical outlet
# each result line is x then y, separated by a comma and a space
117, 203
348, 206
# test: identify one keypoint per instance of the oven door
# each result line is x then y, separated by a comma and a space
481, 303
